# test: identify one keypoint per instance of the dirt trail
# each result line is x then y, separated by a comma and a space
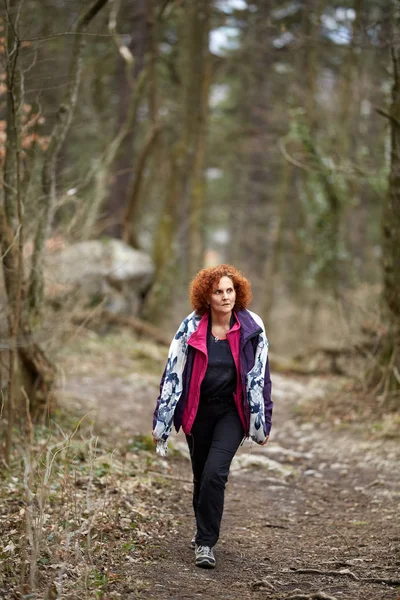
317, 510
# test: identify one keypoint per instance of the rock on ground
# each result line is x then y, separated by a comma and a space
99, 270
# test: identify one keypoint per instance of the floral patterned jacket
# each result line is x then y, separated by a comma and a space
256, 382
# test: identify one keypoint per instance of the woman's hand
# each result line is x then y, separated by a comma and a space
155, 440
265, 442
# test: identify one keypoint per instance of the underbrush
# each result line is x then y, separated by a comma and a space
117, 352
351, 406
77, 513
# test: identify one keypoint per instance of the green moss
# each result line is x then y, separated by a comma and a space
142, 442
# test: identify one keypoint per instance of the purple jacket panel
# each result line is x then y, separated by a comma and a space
248, 343
268, 404
187, 373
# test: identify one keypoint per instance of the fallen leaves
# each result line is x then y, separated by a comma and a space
89, 508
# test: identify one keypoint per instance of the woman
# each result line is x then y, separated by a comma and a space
217, 386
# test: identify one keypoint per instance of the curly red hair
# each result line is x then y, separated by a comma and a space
205, 280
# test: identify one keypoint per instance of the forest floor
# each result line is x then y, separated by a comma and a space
313, 515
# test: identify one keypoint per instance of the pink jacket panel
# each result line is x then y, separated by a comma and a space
233, 337
198, 340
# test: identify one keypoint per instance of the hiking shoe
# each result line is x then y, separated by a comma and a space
193, 541
204, 557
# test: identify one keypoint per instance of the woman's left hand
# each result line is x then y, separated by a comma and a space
265, 441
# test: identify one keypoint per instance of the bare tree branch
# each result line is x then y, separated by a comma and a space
131, 207
57, 137
385, 114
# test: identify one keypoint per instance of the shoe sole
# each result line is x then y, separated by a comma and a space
204, 563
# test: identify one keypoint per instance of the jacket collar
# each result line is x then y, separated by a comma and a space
198, 339
248, 326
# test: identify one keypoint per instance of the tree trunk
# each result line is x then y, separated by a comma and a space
197, 91
185, 187
254, 210
328, 225
126, 80
11, 228
129, 227
348, 148
164, 251
11, 237
312, 18
272, 264
101, 173
36, 372
391, 226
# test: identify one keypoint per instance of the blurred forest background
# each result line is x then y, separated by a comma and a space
141, 140
258, 133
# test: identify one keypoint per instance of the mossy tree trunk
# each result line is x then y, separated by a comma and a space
185, 187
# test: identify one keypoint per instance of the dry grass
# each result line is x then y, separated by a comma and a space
351, 406
72, 508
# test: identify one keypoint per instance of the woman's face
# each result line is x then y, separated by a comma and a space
223, 296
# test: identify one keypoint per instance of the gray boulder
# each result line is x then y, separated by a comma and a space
107, 271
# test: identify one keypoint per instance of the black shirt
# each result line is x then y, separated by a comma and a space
220, 377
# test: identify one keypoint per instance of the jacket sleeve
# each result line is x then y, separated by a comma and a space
268, 404
155, 414
179, 335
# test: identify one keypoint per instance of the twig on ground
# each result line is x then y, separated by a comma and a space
342, 572
274, 526
316, 596
372, 484
386, 581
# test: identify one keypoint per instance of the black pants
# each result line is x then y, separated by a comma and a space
216, 434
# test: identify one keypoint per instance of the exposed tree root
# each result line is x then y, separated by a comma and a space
342, 572
263, 583
316, 596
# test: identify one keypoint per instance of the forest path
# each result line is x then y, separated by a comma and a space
317, 510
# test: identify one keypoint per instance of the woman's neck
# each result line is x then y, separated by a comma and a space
218, 320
